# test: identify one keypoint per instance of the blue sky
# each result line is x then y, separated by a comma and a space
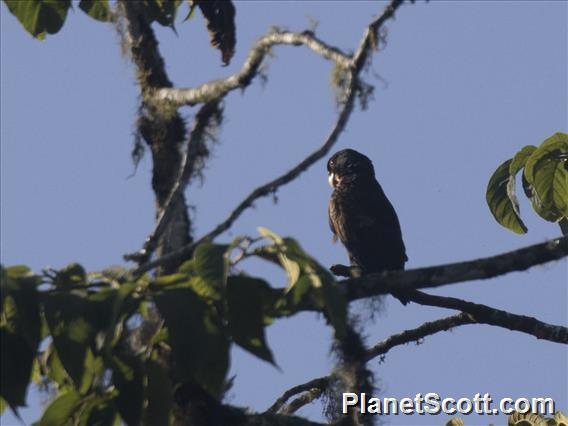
460, 87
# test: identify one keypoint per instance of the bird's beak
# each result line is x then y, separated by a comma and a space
333, 180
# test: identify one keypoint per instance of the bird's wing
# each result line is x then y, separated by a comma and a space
367, 224
331, 213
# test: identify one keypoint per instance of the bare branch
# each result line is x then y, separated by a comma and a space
426, 329
436, 276
302, 400
473, 313
270, 187
320, 384
215, 90
486, 315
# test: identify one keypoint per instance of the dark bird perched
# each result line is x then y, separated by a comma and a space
363, 218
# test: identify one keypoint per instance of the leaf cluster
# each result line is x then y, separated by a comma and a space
69, 328
42, 17
527, 419
544, 182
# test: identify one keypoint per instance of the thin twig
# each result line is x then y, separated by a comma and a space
415, 334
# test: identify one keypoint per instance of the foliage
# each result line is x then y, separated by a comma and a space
544, 182
527, 419
42, 17
83, 322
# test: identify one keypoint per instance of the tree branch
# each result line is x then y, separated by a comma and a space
415, 334
217, 89
189, 168
163, 129
473, 313
436, 276
320, 384
356, 63
486, 315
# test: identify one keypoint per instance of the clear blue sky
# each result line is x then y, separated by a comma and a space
463, 86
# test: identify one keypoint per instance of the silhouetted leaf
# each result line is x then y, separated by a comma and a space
500, 204
15, 367
97, 9
159, 393
21, 332
128, 377
162, 11
563, 223
24, 317
71, 275
103, 414
40, 17
69, 318
220, 18
198, 338
61, 409
246, 298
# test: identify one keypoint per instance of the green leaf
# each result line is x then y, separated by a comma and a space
517, 163
97, 9
2, 406
279, 250
61, 409
128, 377
55, 370
546, 213
520, 159
546, 171
504, 209
211, 264
160, 395
40, 17
70, 320
526, 419
16, 367
198, 338
246, 298
308, 279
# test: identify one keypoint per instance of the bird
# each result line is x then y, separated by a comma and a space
362, 218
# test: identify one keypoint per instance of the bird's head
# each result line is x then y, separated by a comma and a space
347, 166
